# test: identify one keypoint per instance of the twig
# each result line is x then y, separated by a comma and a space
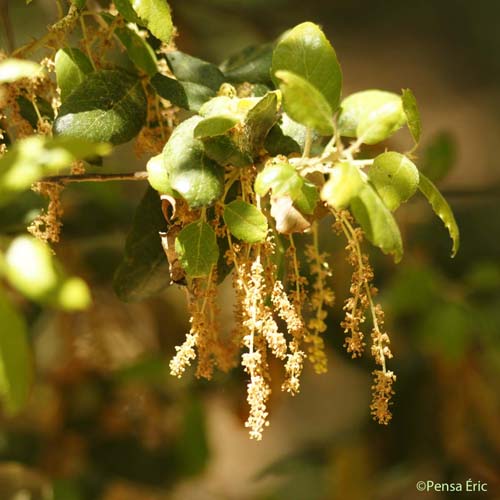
66, 179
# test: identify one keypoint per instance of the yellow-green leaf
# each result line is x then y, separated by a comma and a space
304, 103
394, 177
412, 114
245, 221
442, 210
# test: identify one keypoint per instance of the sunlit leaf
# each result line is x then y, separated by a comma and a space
394, 177
371, 115
152, 14
16, 370
71, 67
158, 176
306, 52
144, 270
30, 267
377, 222
245, 221
196, 246
441, 209
37, 156
345, 182
304, 103
214, 125
412, 114
14, 69
108, 106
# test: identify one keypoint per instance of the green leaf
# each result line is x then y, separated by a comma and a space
304, 103
144, 269
71, 67
186, 95
344, 184
152, 14
245, 221
306, 52
394, 177
16, 372
277, 142
36, 156
187, 68
284, 181
253, 65
12, 69
214, 125
79, 3
373, 115
259, 121
31, 268
223, 150
158, 176
441, 209
138, 50
412, 113
196, 246
282, 178
108, 106
377, 222
439, 156
197, 178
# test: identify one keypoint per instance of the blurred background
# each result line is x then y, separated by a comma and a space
107, 421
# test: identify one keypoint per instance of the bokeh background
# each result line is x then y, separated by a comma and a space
106, 421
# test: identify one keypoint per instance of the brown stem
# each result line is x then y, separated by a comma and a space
66, 179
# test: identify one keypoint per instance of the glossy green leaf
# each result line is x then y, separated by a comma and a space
245, 221
187, 68
344, 184
373, 115
377, 222
214, 125
138, 50
186, 95
30, 267
144, 269
108, 106
441, 209
16, 372
196, 246
152, 14
439, 156
36, 156
71, 67
158, 176
394, 177
253, 65
306, 52
259, 121
304, 103
197, 178
412, 113
12, 69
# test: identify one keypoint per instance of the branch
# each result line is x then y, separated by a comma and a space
66, 179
